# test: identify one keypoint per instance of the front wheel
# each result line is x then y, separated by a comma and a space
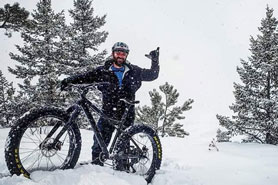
29, 149
139, 151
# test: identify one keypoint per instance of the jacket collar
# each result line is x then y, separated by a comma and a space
127, 68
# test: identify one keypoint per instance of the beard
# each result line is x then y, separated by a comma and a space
119, 61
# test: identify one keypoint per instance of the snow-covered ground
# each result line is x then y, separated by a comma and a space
186, 161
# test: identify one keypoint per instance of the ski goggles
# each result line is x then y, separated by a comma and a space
120, 54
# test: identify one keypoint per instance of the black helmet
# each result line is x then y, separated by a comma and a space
120, 46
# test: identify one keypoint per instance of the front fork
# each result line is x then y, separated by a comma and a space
56, 144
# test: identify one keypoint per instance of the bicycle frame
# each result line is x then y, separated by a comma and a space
84, 104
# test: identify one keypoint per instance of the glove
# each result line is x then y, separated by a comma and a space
154, 55
63, 84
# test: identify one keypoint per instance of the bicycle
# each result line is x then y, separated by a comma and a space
49, 138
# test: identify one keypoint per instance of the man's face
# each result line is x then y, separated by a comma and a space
119, 57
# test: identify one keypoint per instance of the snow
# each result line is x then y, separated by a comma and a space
186, 161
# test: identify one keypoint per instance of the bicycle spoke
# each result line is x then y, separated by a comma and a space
51, 162
63, 154
143, 143
26, 152
64, 150
35, 134
30, 167
59, 157
46, 163
28, 148
39, 160
33, 140
142, 169
137, 141
27, 142
22, 160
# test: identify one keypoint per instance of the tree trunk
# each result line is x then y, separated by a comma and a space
163, 123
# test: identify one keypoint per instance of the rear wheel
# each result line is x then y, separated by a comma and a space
139, 151
28, 150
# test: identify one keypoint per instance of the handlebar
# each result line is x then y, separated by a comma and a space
130, 102
84, 88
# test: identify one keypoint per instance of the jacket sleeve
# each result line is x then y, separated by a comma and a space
150, 74
96, 75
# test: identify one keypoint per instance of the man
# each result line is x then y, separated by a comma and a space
125, 79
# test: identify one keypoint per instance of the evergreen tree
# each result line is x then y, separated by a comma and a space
85, 37
13, 18
51, 49
162, 116
41, 56
256, 106
223, 136
6, 102
151, 115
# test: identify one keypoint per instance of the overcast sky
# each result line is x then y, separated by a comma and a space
201, 44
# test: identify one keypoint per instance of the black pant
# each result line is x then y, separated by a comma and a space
106, 131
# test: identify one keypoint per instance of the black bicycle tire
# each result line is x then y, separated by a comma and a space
14, 137
156, 144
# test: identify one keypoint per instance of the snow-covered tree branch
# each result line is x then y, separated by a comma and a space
163, 116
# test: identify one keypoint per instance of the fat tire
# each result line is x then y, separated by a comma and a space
124, 139
14, 138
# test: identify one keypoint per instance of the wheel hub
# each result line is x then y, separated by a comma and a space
142, 154
48, 149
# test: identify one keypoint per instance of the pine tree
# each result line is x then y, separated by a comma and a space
85, 37
171, 114
256, 106
13, 18
40, 57
162, 116
223, 136
151, 115
7, 91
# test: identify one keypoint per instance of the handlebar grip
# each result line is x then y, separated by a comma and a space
130, 102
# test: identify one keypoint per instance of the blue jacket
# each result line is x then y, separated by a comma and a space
131, 82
